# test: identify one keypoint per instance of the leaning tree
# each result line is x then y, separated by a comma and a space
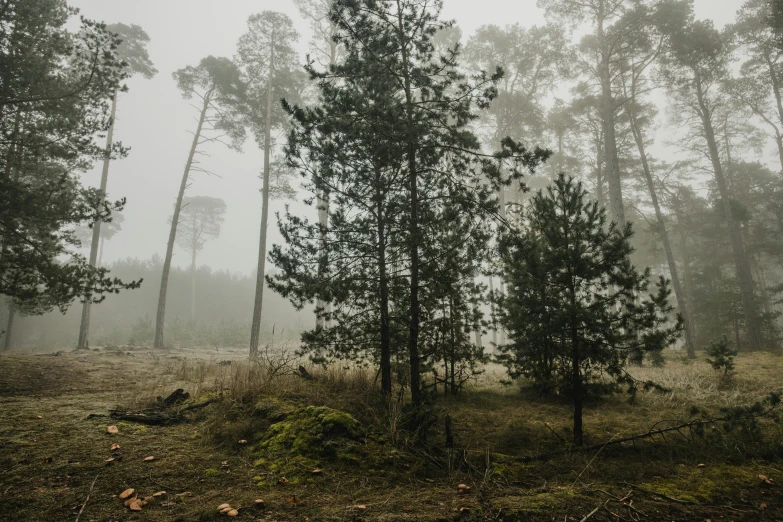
217, 84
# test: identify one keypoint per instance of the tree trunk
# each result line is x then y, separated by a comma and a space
740, 257
413, 226
386, 379
84, 327
255, 330
779, 105
637, 134
9, 329
599, 174
686, 268
164, 281
492, 312
616, 205
100, 255
194, 249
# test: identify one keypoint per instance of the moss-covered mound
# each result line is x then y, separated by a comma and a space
315, 437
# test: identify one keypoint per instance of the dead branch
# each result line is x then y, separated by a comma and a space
661, 495
86, 499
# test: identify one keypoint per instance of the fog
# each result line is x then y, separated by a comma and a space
154, 120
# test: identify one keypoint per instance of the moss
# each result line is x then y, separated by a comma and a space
211, 472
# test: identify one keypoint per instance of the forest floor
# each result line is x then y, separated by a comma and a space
324, 449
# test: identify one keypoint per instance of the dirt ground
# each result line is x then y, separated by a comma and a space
55, 452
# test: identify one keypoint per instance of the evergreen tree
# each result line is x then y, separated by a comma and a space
410, 109
54, 107
571, 313
133, 52
695, 64
268, 62
201, 218
217, 84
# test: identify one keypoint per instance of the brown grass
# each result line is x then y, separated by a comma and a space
48, 464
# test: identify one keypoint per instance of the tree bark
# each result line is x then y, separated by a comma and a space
637, 134
194, 249
386, 379
413, 227
741, 262
9, 329
608, 108
686, 268
255, 330
775, 81
84, 327
164, 281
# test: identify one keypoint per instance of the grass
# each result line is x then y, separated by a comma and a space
51, 449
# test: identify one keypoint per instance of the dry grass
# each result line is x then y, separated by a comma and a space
48, 464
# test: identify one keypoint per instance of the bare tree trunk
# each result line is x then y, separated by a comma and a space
637, 134
616, 206
9, 329
686, 268
100, 255
386, 379
84, 327
413, 225
255, 329
492, 313
741, 262
779, 105
164, 281
194, 249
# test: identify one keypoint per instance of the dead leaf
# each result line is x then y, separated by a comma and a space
127, 493
260, 503
109, 460
763, 506
40, 417
293, 500
112, 430
462, 489
464, 509
232, 513
115, 447
243, 441
136, 505
226, 510
317, 472
283, 481
130, 501
223, 506
766, 480
149, 459
159, 494
185, 494
361, 507
701, 466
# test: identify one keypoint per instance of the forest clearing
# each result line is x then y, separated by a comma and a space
55, 446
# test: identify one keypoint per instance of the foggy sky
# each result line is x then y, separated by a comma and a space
154, 120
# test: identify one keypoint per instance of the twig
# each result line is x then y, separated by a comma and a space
556, 434
590, 514
86, 499
655, 493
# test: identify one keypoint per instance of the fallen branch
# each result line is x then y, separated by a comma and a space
590, 514
661, 495
86, 499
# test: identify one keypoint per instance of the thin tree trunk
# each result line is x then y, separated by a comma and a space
386, 379
775, 81
194, 249
741, 262
686, 268
413, 230
9, 329
616, 205
492, 312
255, 330
599, 183
637, 134
100, 255
84, 327
164, 281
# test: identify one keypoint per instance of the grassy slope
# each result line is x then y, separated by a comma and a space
47, 464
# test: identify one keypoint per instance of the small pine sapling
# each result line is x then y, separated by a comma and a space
721, 355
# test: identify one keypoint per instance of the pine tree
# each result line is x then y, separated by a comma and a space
570, 311
217, 84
